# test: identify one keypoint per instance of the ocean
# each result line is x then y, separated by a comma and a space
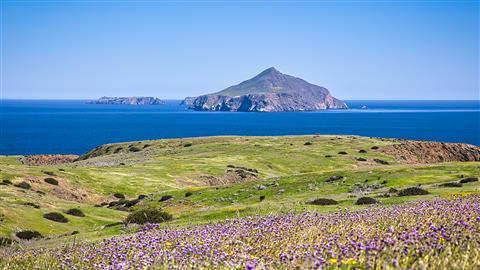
73, 127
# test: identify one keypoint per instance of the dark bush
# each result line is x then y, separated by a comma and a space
307, 143
366, 200
187, 145
4, 241
142, 196
148, 215
55, 216
384, 182
468, 180
361, 159
392, 190
75, 232
334, 178
188, 194
134, 149
117, 150
40, 192
49, 173
165, 198
62, 170
323, 201
146, 145
51, 181
381, 161
374, 147
328, 156
28, 235
451, 184
75, 212
412, 191
34, 205
362, 151
119, 195
7, 182
342, 153
131, 203
23, 185
262, 197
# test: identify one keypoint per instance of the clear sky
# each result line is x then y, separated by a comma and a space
369, 50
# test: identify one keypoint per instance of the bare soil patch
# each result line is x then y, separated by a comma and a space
432, 152
42, 160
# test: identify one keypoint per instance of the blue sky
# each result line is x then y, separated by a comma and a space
369, 50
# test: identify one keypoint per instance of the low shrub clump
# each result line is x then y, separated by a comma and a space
165, 198
55, 216
412, 191
51, 181
4, 241
468, 180
342, 153
323, 201
148, 215
75, 212
119, 195
307, 143
28, 235
451, 184
187, 145
23, 185
188, 194
34, 205
381, 161
366, 200
7, 182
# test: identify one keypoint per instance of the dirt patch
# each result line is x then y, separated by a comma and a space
432, 152
42, 160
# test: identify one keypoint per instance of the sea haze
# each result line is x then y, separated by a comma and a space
71, 126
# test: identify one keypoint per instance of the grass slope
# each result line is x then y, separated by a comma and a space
291, 171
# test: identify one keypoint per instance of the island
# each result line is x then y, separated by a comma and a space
128, 101
269, 91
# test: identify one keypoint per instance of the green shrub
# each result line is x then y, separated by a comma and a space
75, 212
361, 159
28, 235
49, 173
4, 241
148, 215
187, 145
34, 205
412, 191
23, 185
323, 201
51, 181
307, 143
262, 197
119, 195
374, 147
165, 198
55, 216
188, 194
366, 200
362, 151
7, 182
134, 149
342, 153
381, 161
468, 180
451, 184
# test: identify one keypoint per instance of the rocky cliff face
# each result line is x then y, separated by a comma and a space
128, 101
269, 91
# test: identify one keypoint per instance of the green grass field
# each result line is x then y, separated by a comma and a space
290, 172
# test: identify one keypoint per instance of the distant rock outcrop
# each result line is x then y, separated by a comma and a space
269, 91
128, 101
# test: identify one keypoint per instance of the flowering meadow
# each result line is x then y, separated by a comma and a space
436, 234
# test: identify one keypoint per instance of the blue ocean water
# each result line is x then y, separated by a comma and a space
71, 126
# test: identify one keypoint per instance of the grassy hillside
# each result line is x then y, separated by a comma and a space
223, 176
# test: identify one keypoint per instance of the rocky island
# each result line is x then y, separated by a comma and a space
269, 91
127, 101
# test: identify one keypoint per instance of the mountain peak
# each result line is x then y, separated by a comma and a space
269, 71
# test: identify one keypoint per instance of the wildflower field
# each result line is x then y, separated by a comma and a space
436, 234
